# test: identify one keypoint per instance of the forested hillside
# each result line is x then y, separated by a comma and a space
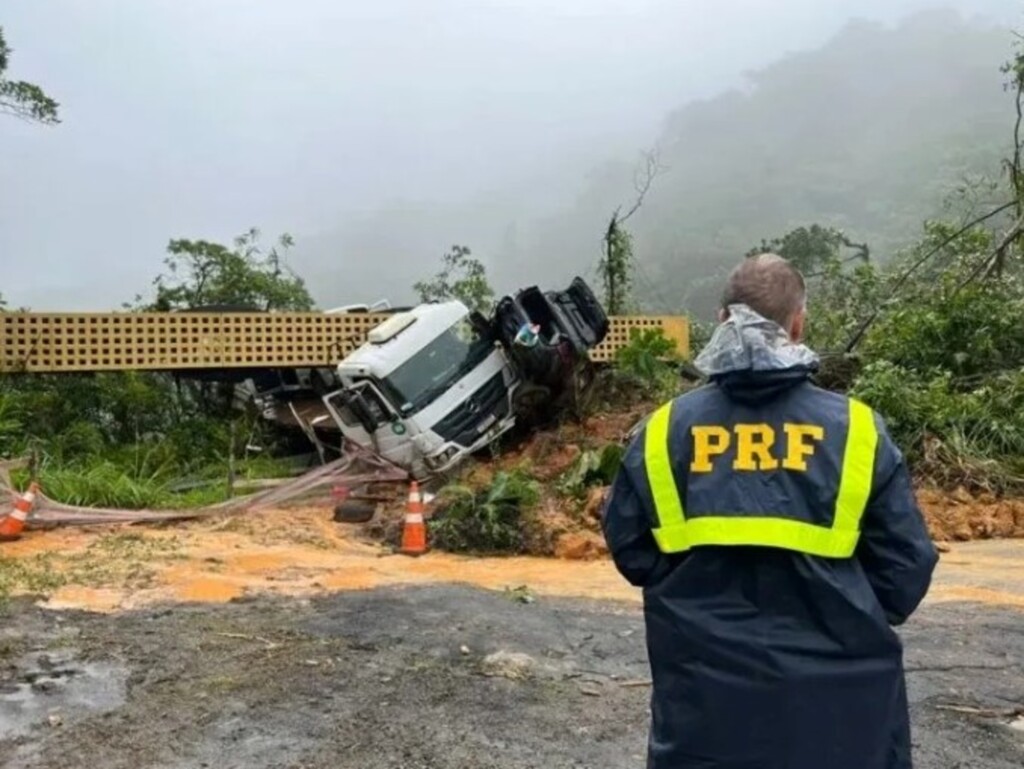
871, 133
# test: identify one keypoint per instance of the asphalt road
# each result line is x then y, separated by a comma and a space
422, 677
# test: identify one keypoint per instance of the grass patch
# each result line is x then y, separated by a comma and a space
123, 559
256, 528
37, 575
110, 484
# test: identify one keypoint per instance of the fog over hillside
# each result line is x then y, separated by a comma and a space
380, 135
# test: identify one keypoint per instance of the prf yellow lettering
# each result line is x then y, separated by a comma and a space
755, 446
708, 441
797, 447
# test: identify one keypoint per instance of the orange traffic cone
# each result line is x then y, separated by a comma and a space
12, 526
414, 532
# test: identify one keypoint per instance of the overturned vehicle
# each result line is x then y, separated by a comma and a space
436, 383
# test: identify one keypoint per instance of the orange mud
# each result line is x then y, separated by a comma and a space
989, 572
304, 553
285, 553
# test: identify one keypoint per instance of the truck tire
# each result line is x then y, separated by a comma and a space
354, 511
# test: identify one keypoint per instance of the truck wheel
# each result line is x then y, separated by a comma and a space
354, 511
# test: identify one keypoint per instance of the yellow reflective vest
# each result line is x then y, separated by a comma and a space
773, 475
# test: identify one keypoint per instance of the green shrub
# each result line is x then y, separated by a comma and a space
700, 334
969, 332
485, 521
981, 425
592, 468
651, 360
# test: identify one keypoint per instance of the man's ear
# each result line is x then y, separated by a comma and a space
723, 315
796, 328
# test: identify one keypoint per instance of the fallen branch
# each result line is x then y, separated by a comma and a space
999, 258
635, 684
951, 668
983, 712
862, 329
988, 264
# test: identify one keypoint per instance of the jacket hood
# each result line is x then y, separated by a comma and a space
753, 359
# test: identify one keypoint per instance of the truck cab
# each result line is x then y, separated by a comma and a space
429, 386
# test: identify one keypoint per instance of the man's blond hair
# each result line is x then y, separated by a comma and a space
769, 285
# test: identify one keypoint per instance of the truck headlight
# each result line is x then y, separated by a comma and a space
442, 458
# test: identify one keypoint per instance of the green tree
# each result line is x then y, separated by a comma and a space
1014, 166
814, 249
463, 278
616, 268
839, 296
616, 265
202, 273
21, 99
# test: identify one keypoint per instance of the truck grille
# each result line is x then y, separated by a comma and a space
462, 424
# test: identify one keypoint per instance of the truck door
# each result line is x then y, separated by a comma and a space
393, 438
356, 417
369, 420
582, 314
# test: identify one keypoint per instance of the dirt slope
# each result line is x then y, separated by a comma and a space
570, 527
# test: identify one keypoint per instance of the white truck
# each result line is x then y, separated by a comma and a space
436, 383
425, 389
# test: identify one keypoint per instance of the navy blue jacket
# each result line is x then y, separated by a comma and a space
765, 658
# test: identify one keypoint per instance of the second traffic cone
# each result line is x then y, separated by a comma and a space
12, 526
414, 532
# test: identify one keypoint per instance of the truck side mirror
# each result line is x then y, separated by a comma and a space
356, 403
481, 325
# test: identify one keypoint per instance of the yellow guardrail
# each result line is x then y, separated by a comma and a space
36, 342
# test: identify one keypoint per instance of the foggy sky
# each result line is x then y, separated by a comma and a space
201, 118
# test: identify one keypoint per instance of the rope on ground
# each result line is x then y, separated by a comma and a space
356, 467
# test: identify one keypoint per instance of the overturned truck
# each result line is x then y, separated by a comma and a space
436, 383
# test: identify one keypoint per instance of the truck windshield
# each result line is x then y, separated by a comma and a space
429, 373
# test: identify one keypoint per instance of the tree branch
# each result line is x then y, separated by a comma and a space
862, 255
642, 181
988, 264
863, 252
28, 102
1016, 170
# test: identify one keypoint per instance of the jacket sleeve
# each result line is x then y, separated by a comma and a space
626, 524
895, 550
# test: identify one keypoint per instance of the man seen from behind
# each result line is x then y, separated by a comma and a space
773, 528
